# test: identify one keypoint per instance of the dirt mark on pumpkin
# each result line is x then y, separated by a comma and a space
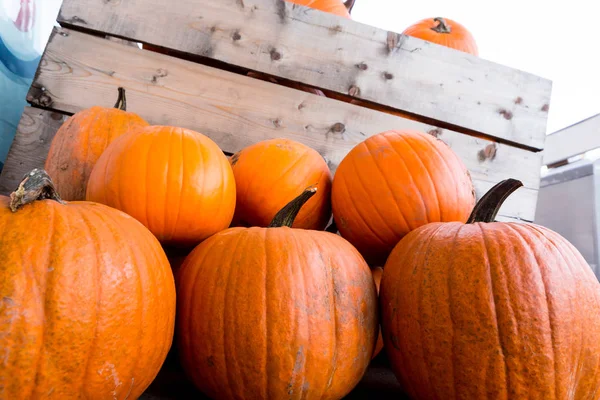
298, 367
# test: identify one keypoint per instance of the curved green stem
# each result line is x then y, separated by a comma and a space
35, 185
287, 215
442, 26
488, 206
349, 4
121, 103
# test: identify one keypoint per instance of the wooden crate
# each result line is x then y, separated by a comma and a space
493, 117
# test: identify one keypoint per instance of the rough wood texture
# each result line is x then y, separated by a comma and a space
322, 50
30, 146
573, 140
79, 70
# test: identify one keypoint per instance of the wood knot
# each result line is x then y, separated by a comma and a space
518, 100
236, 36
44, 100
354, 91
276, 122
545, 108
275, 55
338, 127
436, 132
506, 114
388, 76
362, 66
488, 152
336, 29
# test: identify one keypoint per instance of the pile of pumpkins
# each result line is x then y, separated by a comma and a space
277, 294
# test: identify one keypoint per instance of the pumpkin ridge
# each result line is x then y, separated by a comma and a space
166, 209
43, 293
263, 244
360, 216
85, 157
502, 345
449, 168
329, 270
428, 174
180, 182
297, 270
85, 223
400, 157
365, 189
146, 203
548, 301
393, 195
230, 327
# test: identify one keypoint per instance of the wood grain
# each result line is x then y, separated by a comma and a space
457, 90
79, 70
30, 146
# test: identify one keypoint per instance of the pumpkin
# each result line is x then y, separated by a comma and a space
80, 141
491, 310
377, 272
269, 174
445, 32
276, 312
394, 182
336, 7
87, 298
175, 181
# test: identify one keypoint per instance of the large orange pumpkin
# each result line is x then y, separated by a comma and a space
491, 310
336, 7
276, 313
175, 181
445, 32
269, 174
87, 298
394, 182
81, 140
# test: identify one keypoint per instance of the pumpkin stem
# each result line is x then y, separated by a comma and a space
442, 26
121, 103
35, 185
349, 4
287, 215
488, 206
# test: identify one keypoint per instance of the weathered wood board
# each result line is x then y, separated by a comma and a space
80, 70
30, 146
573, 140
460, 91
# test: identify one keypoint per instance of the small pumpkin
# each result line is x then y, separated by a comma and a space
394, 182
276, 312
81, 140
175, 181
445, 32
336, 7
270, 173
87, 298
491, 310
377, 273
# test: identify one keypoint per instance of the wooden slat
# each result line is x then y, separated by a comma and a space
30, 146
573, 140
326, 51
79, 71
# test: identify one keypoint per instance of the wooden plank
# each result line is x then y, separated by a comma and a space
573, 140
344, 56
30, 146
79, 71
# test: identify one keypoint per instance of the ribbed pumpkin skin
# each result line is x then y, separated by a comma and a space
175, 181
271, 173
87, 303
394, 182
78, 144
276, 313
336, 7
459, 38
491, 311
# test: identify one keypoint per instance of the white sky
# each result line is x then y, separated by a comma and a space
556, 40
